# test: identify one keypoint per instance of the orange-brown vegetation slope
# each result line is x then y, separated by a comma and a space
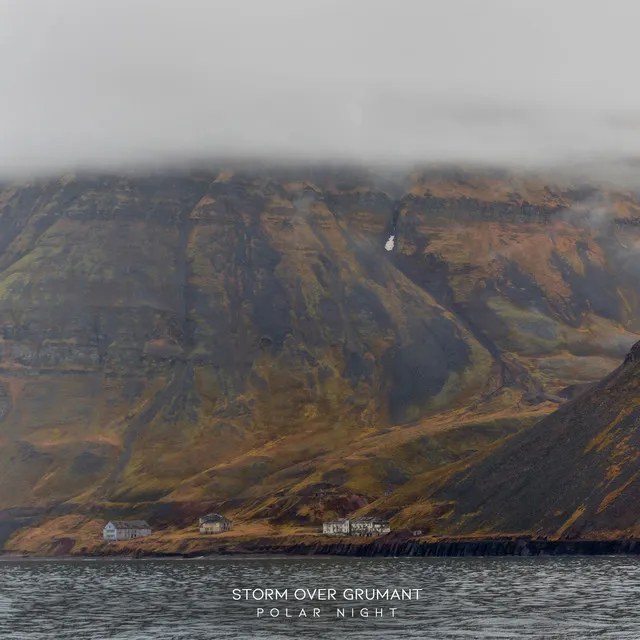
241, 341
574, 474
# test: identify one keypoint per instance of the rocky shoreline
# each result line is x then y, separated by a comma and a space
379, 548
456, 548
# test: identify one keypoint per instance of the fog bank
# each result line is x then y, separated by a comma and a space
97, 83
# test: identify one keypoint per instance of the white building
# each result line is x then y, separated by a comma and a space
336, 527
125, 530
356, 527
369, 527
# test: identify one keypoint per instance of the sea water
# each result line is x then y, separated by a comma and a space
224, 598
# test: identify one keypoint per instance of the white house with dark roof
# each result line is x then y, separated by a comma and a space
214, 523
116, 530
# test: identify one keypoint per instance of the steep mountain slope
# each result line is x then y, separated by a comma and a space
574, 473
243, 337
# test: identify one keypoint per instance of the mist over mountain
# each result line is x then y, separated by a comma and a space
97, 84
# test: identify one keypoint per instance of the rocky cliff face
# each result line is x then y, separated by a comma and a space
243, 337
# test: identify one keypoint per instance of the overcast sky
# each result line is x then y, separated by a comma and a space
102, 82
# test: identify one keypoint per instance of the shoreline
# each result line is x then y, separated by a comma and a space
445, 548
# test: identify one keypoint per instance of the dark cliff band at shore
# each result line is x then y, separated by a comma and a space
404, 549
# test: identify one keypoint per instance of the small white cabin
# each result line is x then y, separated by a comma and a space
125, 530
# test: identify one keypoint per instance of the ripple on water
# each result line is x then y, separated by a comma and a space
462, 598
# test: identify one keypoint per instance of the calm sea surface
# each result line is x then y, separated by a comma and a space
489, 598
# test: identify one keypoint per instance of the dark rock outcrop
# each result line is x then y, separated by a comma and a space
634, 354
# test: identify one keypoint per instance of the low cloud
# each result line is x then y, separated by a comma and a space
106, 83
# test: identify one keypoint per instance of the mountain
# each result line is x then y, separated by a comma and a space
576, 473
241, 337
